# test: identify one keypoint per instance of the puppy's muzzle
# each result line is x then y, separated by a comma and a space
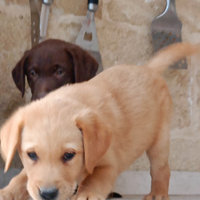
48, 193
38, 96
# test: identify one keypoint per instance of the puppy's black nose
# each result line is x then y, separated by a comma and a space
48, 193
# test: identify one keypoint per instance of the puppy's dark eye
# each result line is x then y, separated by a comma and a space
33, 73
68, 156
60, 72
32, 156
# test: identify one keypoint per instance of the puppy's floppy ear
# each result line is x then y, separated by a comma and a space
10, 137
96, 138
85, 66
18, 73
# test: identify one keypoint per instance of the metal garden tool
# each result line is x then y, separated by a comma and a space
44, 16
166, 30
39, 19
87, 37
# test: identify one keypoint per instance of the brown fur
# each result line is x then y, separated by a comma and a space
52, 64
108, 122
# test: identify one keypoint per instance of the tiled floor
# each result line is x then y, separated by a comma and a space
134, 183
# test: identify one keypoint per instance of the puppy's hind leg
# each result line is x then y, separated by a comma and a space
158, 155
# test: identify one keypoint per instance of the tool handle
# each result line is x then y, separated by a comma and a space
171, 4
93, 5
44, 16
93, 1
47, 2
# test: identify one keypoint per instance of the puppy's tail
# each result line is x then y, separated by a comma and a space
171, 54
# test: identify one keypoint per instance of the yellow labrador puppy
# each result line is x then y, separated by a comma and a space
90, 132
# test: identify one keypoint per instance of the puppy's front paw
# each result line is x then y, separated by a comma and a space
5, 195
87, 196
156, 197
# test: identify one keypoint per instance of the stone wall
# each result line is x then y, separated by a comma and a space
124, 37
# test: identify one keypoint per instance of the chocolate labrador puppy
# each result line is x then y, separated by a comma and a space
52, 64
